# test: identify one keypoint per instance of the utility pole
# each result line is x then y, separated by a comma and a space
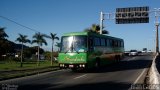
157, 25
101, 22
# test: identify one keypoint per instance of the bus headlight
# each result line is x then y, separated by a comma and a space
81, 65
61, 65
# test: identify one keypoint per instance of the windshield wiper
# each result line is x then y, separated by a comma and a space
76, 50
72, 50
66, 51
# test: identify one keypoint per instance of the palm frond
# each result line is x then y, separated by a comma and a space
39, 39
3, 33
23, 39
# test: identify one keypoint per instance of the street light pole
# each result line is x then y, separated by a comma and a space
157, 25
157, 39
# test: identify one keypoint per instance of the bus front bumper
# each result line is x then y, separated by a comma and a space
72, 65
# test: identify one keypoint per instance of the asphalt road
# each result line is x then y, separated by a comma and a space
119, 76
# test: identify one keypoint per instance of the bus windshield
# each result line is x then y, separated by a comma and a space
74, 44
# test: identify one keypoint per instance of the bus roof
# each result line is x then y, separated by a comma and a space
75, 33
89, 33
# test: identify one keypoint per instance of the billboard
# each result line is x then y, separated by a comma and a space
132, 15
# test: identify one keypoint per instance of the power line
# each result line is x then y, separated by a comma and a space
22, 25
18, 24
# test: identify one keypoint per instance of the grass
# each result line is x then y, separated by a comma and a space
13, 65
11, 69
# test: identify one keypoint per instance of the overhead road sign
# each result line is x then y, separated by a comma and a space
132, 15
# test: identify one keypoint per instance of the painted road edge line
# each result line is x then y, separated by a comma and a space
80, 76
140, 76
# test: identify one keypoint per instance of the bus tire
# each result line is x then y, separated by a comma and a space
97, 63
116, 58
86, 67
119, 58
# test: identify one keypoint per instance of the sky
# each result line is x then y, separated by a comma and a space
63, 16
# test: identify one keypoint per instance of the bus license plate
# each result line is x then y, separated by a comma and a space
71, 66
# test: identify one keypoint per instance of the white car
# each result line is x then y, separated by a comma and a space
133, 53
144, 51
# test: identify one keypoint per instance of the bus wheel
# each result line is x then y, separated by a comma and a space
86, 68
97, 63
117, 58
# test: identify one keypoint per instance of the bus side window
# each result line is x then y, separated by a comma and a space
113, 43
103, 43
116, 43
90, 44
122, 44
106, 43
119, 43
110, 43
97, 41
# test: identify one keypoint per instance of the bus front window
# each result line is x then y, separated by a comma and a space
80, 44
74, 44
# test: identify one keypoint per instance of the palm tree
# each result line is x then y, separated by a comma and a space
52, 37
58, 45
39, 39
95, 28
3, 42
22, 39
2, 33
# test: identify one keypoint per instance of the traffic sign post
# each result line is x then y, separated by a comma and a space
101, 22
109, 16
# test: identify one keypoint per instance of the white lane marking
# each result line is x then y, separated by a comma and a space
139, 76
133, 58
73, 78
80, 76
129, 59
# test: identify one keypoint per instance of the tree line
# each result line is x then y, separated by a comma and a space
7, 46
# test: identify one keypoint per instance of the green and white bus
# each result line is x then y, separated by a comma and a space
88, 49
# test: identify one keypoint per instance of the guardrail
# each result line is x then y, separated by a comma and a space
154, 76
